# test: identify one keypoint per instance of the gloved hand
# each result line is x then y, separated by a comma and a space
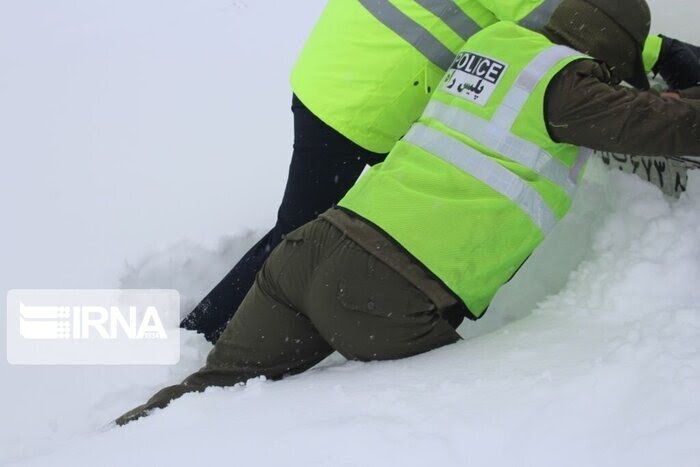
679, 63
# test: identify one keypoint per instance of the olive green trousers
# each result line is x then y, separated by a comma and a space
318, 292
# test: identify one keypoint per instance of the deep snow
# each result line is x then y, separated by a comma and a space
136, 135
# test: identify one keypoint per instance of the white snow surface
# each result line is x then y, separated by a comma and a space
145, 144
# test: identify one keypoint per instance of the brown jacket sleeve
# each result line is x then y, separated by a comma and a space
584, 109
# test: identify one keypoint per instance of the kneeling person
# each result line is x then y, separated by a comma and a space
428, 237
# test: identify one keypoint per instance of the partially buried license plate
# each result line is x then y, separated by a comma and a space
670, 174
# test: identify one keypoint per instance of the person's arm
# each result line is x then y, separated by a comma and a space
584, 109
676, 61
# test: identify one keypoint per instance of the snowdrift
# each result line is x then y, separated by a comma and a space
133, 125
590, 356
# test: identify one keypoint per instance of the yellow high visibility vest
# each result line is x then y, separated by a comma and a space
477, 182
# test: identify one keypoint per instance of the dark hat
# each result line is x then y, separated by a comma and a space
634, 17
613, 31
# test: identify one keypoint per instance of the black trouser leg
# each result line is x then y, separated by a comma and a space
679, 64
324, 166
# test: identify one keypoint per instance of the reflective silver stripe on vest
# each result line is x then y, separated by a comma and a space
583, 155
527, 80
484, 169
453, 16
502, 141
414, 33
497, 135
540, 16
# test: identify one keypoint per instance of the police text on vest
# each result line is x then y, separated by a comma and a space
473, 77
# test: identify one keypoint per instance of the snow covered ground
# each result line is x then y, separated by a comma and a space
136, 143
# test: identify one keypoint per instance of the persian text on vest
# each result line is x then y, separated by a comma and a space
473, 77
